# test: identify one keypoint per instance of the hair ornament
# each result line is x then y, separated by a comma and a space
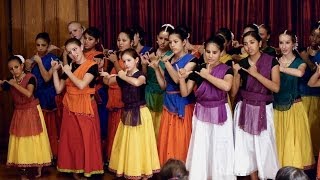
167, 25
21, 58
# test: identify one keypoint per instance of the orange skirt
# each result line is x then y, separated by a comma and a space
80, 146
113, 122
174, 135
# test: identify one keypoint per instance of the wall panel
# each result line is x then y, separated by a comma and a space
20, 22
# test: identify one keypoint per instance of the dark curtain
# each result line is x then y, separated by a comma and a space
204, 17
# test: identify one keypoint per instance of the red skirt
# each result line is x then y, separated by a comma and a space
113, 122
174, 135
80, 146
52, 122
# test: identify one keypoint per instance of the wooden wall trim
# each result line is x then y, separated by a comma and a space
20, 22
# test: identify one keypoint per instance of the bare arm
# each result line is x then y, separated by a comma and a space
109, 80
273, 84
299, 72
314, 80
114, 59
25, 91
223, 84
236, 79
46, 75
305, 57
144, 69
159, 74
174, 73
58, 84
133, 81
186, 87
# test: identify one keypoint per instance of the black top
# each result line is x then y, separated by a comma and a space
6, 85
197, 78
244, 63
92, 70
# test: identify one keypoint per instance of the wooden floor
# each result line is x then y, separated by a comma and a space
49, 173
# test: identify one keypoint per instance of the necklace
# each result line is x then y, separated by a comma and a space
284, 62
21, 78
251, 62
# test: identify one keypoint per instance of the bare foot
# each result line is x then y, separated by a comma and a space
76, 176
24, 177
39, 172
254, 176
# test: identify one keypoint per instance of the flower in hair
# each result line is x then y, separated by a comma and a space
296, 44
232, 36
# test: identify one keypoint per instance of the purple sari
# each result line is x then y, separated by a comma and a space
211, 100
254, 98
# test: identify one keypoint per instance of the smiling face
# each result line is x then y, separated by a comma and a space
123, 41
286, 44
212, 53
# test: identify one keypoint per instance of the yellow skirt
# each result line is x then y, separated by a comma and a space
156, 118
293, 137
134, 152
312, 105
30, 151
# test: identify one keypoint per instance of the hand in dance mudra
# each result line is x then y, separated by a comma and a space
204, 72
182, 73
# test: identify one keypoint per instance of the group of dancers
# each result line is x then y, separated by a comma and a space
223, 108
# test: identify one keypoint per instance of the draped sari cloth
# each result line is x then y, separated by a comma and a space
254, 98
211, 100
